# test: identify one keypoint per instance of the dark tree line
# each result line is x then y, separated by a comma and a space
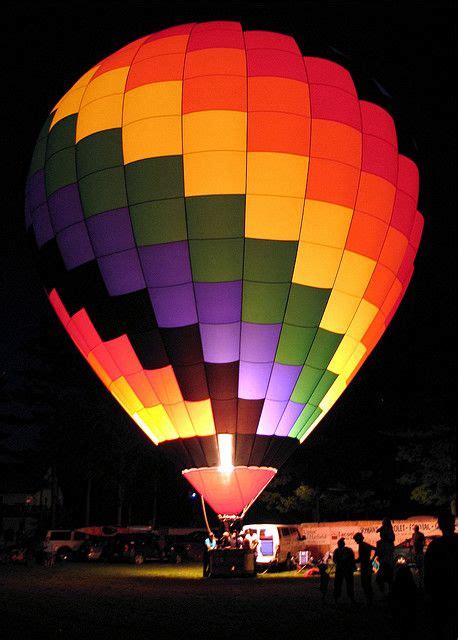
430, 465
107, 469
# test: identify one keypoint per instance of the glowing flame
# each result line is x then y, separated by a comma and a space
226, 452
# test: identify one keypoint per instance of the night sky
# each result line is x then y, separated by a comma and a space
402, 61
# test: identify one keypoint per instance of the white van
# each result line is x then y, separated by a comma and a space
61, 543
278, 543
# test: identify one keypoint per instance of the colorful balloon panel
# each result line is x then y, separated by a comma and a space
225, 231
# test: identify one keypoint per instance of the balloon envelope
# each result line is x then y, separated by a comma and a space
225, 231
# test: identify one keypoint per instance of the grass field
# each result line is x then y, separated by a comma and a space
161, 601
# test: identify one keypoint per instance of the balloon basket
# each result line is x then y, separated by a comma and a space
232, 563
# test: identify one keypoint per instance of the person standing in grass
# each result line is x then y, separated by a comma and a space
365, 563
385, 555
344, 559
254, 543
210, 544
418, 542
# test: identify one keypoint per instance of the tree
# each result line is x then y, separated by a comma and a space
280, 499
428, 459
304, 502
98, 455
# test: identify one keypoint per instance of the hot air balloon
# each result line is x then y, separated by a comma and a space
225, 231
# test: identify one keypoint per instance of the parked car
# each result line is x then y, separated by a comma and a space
190, 545
138, 548
61, 544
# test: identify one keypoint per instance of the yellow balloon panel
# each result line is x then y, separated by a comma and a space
152, 138
100, 115
214, 173
316, 265
354, 274
339, 312
273, 217
155, 99
325, 223
276, 174
216, 130
107, 84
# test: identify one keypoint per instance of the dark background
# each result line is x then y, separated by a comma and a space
402, 60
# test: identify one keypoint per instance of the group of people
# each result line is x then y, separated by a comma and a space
345, 562
247, 540
437, 573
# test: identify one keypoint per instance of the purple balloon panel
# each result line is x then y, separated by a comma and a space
122, 272
65, 207
220, 342
291, 414
219, 302
111, 232
253, 379
272, 412
282, 381
165, 265
259, 342
42, 225
75, 246
174, 306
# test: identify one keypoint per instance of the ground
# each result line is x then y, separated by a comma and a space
160, 601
